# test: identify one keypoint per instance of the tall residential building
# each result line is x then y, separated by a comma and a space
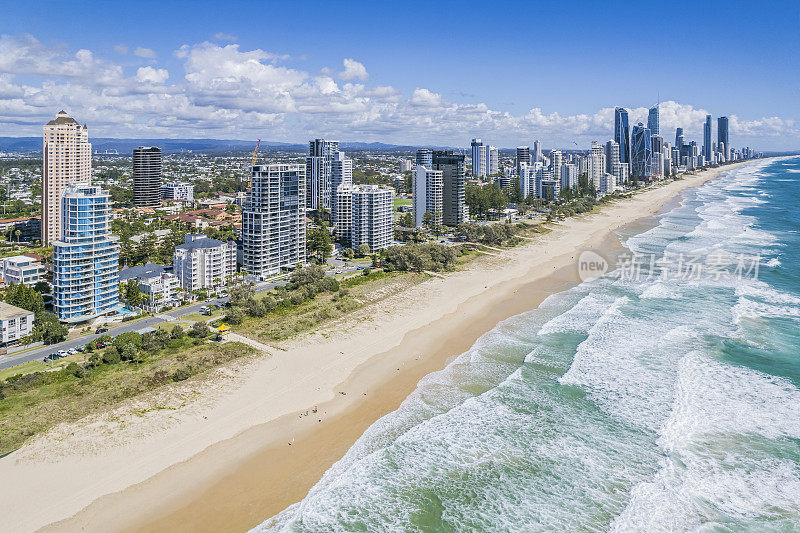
274, 220
537, 151
319, 165
203, 263
595, 165
707, 148
680, 140
454, 169
341, 174
159, 287
612, 155
86, 257
405, 165
493, 156
569, 176
427, 197
523, 156
653, 120
556, 160
642, 156
67, 159
364, 216
527, 180
722, 138
479, 159
424, 157
622, 134
146, 176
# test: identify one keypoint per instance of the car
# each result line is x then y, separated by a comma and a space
72, 351
101, 330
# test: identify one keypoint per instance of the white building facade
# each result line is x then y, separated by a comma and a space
86, 257
202, 263
365, 216
178, 191
274, 219
20, 270
15, 323
427, 196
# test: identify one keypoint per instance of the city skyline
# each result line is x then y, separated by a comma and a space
221, 77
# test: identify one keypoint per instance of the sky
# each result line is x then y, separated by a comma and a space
417, 73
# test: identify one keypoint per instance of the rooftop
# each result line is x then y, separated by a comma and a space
203, 242
148, 270
8, 311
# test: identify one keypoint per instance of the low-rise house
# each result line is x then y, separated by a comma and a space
160, 288
15, 323
20, 269
204, 263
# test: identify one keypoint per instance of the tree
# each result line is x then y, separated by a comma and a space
306, 275
318, 243
177, 332
48, 329
130, 337
363, 250
406, 220
234, 316
200, 330
42, 287
25, 297
131, 292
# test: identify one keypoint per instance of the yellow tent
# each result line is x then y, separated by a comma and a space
223, 329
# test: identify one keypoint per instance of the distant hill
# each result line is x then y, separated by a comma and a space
126, 146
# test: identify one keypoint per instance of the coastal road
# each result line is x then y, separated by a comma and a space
135, 325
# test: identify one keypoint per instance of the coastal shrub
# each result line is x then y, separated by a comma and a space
234, 316
199, 330
131, 337
177, 332
306, 275
182, 374
328, 284
366, 272
75, 369
419, 257
128, 352
111, 356
296, 299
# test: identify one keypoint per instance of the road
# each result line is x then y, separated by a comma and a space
153, 321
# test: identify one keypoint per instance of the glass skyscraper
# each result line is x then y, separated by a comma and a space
622, 134
642, 162
722, 137
707, 139
652, 121
86, 258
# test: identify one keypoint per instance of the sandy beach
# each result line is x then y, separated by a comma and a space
227, 453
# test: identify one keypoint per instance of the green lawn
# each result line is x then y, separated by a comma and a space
401, 201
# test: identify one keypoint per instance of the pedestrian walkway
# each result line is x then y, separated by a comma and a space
250, 342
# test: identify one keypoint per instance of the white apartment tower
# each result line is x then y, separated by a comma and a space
67, 159
204, 263
596, 165
569, 176
86, 257
493, 157
427, 197
479, 159
274, 219
364, 216
556, 161
341, 174
319, 168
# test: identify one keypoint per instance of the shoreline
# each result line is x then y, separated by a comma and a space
241, 476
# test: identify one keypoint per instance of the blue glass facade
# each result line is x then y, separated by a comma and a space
622, 134
86, 258
642, 163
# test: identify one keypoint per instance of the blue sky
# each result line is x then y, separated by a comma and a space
418, 72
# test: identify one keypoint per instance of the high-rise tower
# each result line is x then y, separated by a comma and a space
622, 134
146, 176
67, 159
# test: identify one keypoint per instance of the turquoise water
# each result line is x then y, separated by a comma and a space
624, 404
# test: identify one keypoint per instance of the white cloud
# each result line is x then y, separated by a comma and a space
145, 52
152, 75
353, 70
225, 37
228, 91
122, 49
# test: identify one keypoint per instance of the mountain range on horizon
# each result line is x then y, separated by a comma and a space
103, 144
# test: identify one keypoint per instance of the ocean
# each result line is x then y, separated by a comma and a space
663, 396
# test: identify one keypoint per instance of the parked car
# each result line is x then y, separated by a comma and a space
72, 351
101, 330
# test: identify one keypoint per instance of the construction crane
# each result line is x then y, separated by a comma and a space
253, 162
